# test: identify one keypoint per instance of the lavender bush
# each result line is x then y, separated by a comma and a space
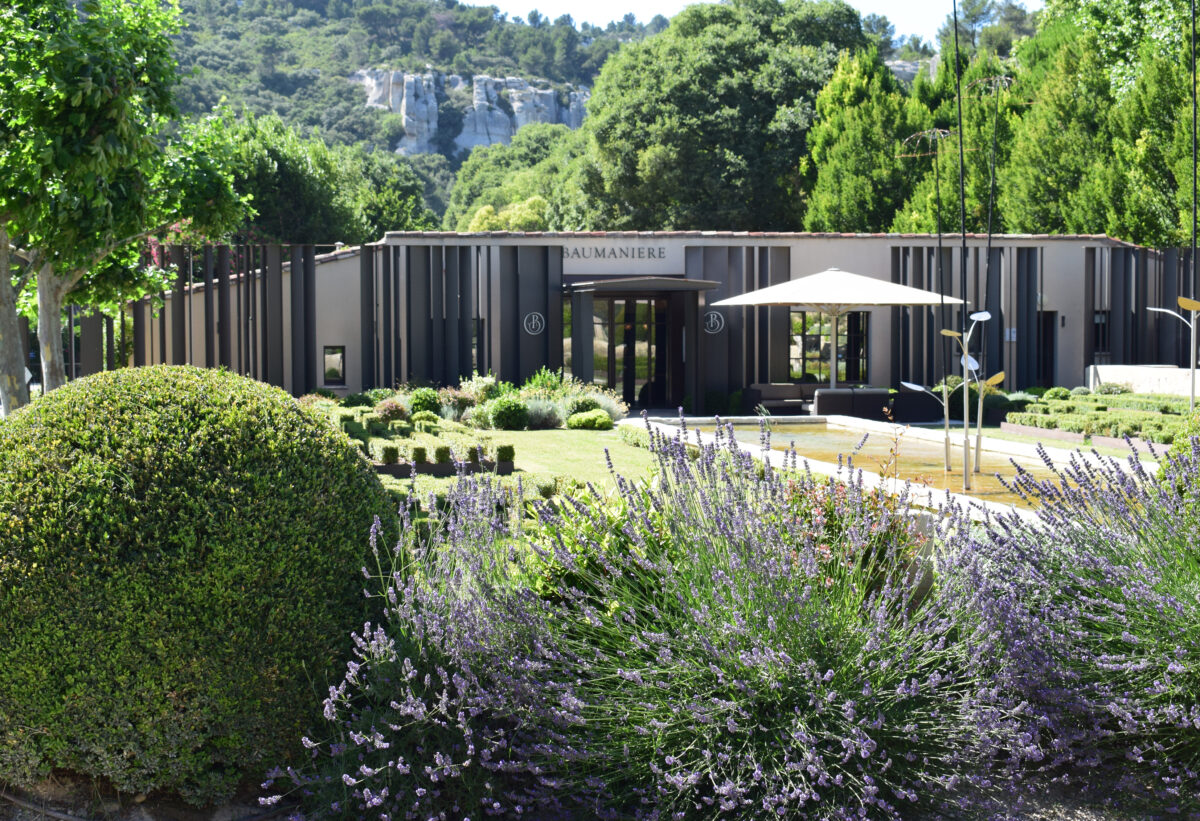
712, 644
1088, 622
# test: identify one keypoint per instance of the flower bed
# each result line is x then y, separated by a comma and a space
730, 641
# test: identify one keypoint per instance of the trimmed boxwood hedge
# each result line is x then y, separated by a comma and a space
178, 572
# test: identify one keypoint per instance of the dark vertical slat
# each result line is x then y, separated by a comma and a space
178, 307
437, 314
242, 309
1119, 302
161, 358
1089, 307
224, 327
91, 343
110, 353
273, 303
554, 314
452, 307
139, 332
366, 285
466, 310
417, 313
310, 318
210, 355
385, 304
583, 362
993, 359
400, 295
298, 344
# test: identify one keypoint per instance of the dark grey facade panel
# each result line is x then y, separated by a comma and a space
1027, 316
1119, 325
140, 337
468, 312
554, 313
388, 375
299, 343
178, 256
273, 332
437, 315
530, 325
420, 338
311, 353
505, 325
210, 350
91, 343
993, 329
453, 309
714, 347
1171, 345
224, 326
583, 335
366, 285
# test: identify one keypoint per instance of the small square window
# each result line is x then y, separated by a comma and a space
335, 365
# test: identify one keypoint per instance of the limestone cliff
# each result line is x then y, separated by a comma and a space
498, 106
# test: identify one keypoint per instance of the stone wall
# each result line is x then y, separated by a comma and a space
499, 106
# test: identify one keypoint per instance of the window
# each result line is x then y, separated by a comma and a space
1100, 335
810, 347
335, 365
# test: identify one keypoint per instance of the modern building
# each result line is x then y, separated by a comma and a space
633, 310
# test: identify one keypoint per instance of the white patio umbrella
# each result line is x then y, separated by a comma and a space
836, 292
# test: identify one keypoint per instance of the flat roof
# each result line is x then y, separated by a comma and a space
947, 238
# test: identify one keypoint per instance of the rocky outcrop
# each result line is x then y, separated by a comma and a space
498, 107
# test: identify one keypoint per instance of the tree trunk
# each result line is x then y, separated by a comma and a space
51, 288
14, 392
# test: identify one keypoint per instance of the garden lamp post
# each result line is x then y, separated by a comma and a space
1191, 306
963, 343
944, 401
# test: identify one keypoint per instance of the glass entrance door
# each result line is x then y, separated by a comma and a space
630, 355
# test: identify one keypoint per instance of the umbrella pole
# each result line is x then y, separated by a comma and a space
833, 327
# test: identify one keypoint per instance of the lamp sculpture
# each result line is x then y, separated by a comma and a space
963, 343
991, 382
944, 401
1192, 306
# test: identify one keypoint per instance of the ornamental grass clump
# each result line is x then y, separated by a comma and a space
1087, 620
712, 643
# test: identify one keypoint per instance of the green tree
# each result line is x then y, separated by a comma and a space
856, 146
880, 32
989, 113
703, 125
86, 91
1062, 137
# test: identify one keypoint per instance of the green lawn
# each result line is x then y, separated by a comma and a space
542, 455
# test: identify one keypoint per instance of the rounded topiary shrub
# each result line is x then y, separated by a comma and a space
579, 404
424, 399
508, 413
179, 571
590, 420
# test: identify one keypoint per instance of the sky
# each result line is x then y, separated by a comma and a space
908, 16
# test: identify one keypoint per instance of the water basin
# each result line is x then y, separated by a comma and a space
916, 461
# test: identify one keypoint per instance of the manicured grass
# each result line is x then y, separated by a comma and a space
577, 454
1009, 436
542, 455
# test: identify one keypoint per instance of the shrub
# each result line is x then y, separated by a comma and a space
707, 648
384, 450
579, 404
441, 454
426, 417
545, 380
1056, 393
324, 393
358, 400
508, 413
591, 420
615, 408
1037, 391
1081, 391
418, 455
454, 402
377, 395
391, 410
1112, 388
173, 576
544, 414
505, 453
424, 399
1087, 623
484, 388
